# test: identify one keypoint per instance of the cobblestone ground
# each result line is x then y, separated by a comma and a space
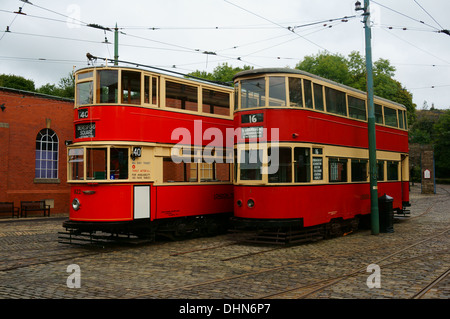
33, 265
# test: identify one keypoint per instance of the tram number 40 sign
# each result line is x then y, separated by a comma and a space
137, 152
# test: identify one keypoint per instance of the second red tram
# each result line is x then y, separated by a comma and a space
148, 155
302, 152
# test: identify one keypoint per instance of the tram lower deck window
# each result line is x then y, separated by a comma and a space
96, 163
392, 171
359, 170
76, 164
118, 163
284, 173
337, 168
250, 165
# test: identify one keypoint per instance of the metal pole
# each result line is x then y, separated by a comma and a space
374, 214
116, 45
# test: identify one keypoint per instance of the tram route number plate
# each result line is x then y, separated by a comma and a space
252, 118
83, 113
85, 130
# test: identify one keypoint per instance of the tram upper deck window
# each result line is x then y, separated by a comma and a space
215, 102
378, 114
85, 93
85, 75
96, 163
307, 85
400, 119
356, 108
336, 101
253, 93
277, 91
76, 164
318, 97
295, 92
107, 86
390, 116
131, 87
181, 96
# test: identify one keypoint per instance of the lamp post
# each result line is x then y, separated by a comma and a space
374, 214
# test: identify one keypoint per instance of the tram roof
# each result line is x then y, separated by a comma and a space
159, 71
301, 72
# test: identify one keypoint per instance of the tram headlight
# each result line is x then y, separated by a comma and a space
76, 204
250, 203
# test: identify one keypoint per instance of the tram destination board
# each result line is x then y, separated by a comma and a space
85, 130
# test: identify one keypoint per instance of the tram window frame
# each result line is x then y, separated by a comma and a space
131, 87
359, 170
215, 102
295, 92
85, 92
187, 170
336, 101
181, 96
319, 101
252, 170
389, 114
119, 156
380, 170
378, 110
258, 96
284, 172
302, 169
94, 167
357, 108
341, 170
400, 119
151, 91
392, 170
107, 86
277, 91
76, 164
308, 91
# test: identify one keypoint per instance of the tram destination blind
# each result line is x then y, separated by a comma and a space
85, 130
317, 168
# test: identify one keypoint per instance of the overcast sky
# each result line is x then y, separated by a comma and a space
52, 38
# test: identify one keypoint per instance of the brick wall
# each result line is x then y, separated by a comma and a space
24, 115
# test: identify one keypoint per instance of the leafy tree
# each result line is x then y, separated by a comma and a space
442, 145
16, 82
223, 73
65, 88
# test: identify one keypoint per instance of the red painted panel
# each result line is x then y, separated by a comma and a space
110, 202
315, 204
190, 200
128, 123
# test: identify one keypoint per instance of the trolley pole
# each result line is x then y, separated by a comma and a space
374, 214
116, 45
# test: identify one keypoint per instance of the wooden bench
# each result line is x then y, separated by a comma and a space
8, 207
34, 206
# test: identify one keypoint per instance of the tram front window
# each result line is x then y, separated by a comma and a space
76, 164
250, 165
85, 93
253, 93
107, 86
118, 163
96, 163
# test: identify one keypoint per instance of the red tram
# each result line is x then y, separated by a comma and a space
315, 132
129, 171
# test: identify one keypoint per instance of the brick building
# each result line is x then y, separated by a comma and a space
33, 131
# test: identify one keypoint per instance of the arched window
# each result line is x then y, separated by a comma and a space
46, 154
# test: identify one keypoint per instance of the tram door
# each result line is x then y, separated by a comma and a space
141, 201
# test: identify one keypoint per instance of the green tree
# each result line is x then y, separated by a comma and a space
222, 73
16, 82
65, 87
442, 145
